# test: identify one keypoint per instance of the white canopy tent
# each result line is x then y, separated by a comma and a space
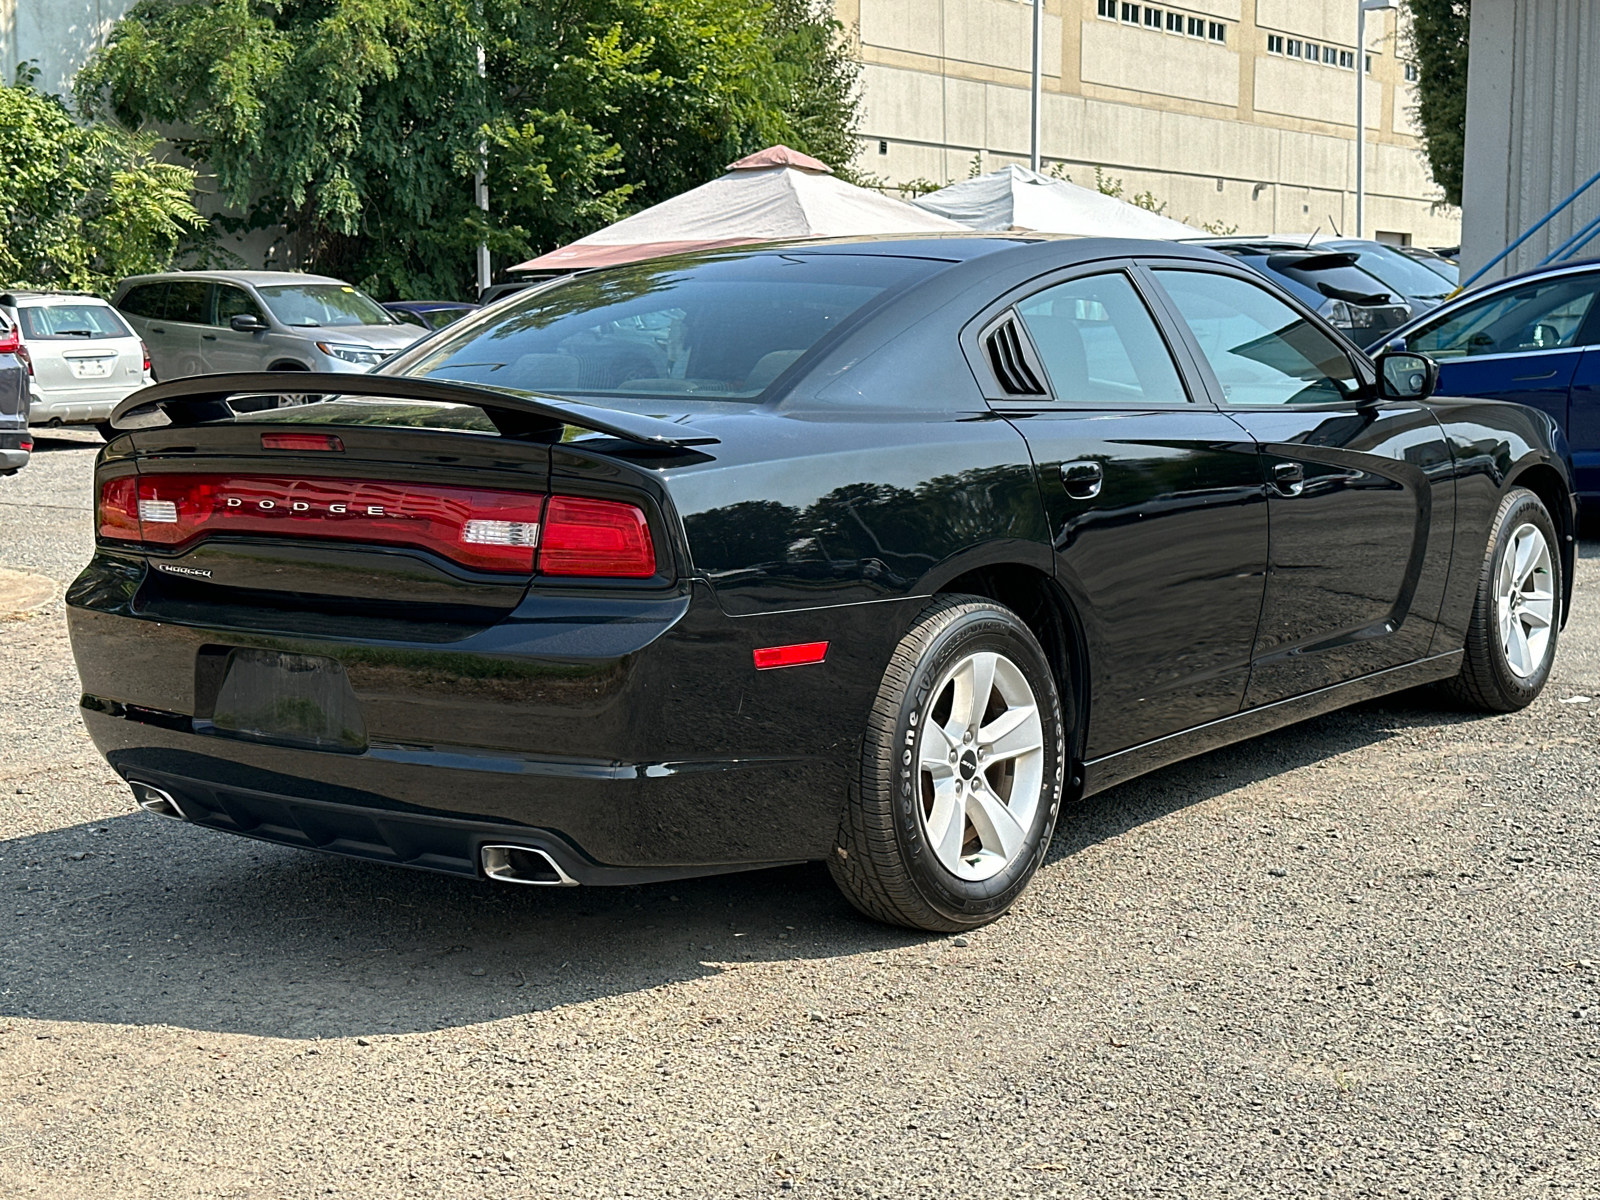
1016, 198
777, 193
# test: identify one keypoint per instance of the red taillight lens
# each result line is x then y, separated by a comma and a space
300, 441
476, 527
604, 538
118, 518
10, 341
145, 350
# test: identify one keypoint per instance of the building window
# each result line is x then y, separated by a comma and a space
1152, 18
1294, 47
883, 147
1368, 58
1174, 22
1108, 9
1313, 52
1130, 13
1274, 43
1412, 74
1217, 31
1347, 59
1197, 27
1329, 56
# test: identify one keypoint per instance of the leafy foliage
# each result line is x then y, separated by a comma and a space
1437, 42
83, 205
359, 124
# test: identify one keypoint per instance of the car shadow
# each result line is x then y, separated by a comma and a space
145, 921
46, 439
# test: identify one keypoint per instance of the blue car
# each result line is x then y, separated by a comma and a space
1532, 339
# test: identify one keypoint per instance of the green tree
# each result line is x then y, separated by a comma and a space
83, 205
357, 124
1437, 43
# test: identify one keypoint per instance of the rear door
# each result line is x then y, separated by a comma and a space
174, 337
1360, 492
1154, 499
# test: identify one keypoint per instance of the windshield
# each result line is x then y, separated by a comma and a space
71, 322
1404, 275
727, 327
318, 304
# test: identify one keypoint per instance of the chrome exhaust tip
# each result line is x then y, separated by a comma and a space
153, 799
524, 864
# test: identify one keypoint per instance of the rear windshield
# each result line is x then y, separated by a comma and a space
1342, 283
313, 305
727, 327
71, 322
1405, 275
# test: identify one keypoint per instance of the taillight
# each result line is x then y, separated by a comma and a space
476, 527
604, 538
118, 517
145, 350
10, 341
479, 528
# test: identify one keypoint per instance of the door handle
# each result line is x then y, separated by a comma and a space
1533, 378
157, 329
1082, 479
1289, 478
208, 337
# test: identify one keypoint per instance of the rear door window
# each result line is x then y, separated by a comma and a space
187, 301
71, 323
1100, 345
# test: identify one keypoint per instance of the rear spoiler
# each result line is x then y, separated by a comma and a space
201, 399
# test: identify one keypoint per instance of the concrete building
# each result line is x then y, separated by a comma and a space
1235, 112
58, 36
1533, 128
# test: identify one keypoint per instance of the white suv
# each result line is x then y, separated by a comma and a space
81, 357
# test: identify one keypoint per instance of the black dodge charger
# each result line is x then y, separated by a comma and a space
873, 552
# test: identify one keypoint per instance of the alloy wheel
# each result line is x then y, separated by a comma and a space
980, 766
1525, 600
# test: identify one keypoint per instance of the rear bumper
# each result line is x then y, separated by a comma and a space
74, 409
450, 845
636, 740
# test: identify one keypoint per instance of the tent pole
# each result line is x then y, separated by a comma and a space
1038, 79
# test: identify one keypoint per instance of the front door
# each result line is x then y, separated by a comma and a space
1156, 506
225, 348
1360, 492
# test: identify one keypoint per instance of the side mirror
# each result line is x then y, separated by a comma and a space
1405, 376
246, 323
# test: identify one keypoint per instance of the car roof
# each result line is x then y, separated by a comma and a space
12, 297
256, 278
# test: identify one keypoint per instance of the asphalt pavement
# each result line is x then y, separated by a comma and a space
1357, 957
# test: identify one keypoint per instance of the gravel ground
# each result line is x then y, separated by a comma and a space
1354, 958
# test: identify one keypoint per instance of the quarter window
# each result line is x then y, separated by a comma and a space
1541, 316
1100, 345
1262, 351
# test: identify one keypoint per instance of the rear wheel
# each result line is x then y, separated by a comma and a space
959, 782
1512, 636
104, 429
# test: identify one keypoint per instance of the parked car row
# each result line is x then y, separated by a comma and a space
75, 356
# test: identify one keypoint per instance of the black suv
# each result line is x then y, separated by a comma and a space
16, 443
1350, 299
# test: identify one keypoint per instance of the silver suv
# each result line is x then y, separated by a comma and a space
201, 322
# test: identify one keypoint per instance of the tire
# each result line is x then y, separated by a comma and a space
103, 428
1516, 616
900, 857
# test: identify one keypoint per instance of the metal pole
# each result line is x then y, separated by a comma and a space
481, 186
1038, 79
1361, 118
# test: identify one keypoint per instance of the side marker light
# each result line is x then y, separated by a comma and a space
802, 654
